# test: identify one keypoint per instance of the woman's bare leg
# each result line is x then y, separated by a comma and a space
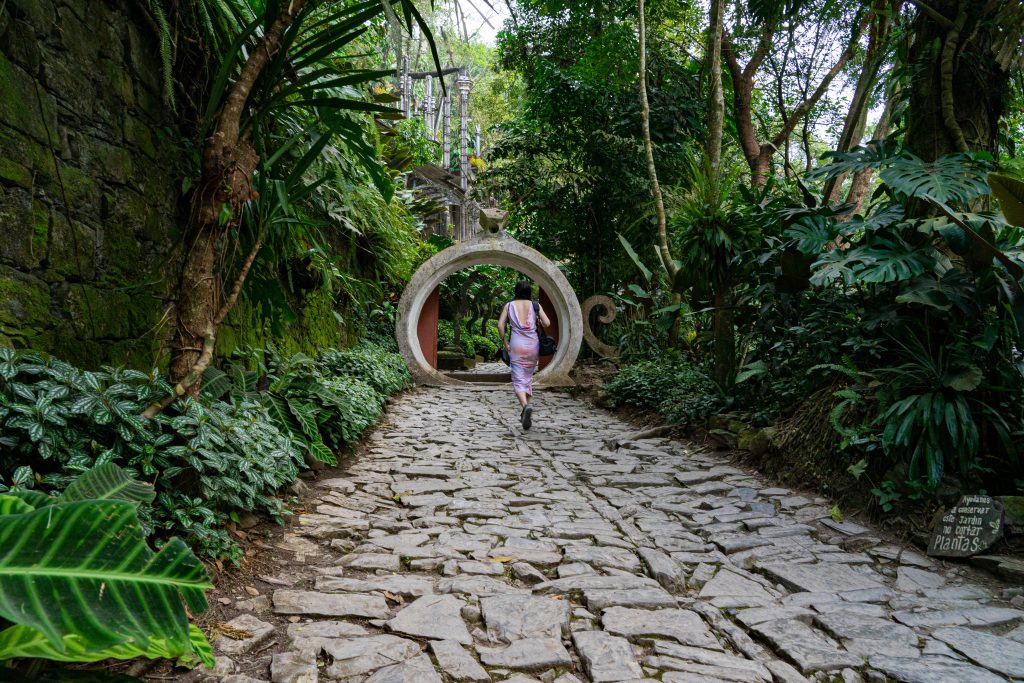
523, 397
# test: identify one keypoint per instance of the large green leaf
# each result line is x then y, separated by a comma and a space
305, 413
22, 641
953, 288
215, 384
874, 154
644, 270
107, 482
966, 377
12, 505
949, 180
1010, 193
83, 569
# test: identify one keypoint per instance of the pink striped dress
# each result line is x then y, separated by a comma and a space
523, 349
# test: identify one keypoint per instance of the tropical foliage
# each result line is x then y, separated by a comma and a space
849, 258
211, 458
79, 583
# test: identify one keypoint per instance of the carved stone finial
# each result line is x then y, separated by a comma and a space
493, 220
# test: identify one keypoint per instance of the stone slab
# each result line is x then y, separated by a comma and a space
258, 632
998, 654
645, 598
810, 650
437, 617
529, 654
330, 604
419, 669
680, 624
868, 636
822, 577
516, 617
456, 663
932, 670
358, 656
605, 657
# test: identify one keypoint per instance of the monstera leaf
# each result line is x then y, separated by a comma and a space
874, 154
949, 180
80, 584
1010, 192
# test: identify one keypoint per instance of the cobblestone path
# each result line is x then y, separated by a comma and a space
461, 549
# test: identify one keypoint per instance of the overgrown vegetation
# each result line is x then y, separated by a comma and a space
89, 541
229, 451
840, 254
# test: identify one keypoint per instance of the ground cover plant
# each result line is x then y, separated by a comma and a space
229, 451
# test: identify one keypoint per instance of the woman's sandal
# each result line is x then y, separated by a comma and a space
526, 416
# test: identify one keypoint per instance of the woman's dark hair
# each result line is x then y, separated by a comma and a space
524, 289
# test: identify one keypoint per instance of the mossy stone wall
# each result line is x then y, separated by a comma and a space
89, 181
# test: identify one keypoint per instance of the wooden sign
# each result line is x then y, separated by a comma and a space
969, 528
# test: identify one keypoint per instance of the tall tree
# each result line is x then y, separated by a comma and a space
716, 96
652, 170
280, 57
962, 54
759, 154
880, 34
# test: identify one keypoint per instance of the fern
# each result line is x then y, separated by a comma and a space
163, 33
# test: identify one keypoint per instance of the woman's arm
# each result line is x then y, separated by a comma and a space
543, 316
501, 326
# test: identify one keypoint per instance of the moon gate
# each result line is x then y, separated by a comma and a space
499, 250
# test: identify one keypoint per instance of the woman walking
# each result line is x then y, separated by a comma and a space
524, 346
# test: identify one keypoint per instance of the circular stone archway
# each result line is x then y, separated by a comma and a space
500, 250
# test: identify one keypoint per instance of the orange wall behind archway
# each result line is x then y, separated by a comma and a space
426, 327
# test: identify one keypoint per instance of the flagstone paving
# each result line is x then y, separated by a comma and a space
459, 548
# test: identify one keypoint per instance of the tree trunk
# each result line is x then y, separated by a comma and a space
862, 178
228, 164
724, 332
652, 171
959, 91
195, 307
716, 98
857, 114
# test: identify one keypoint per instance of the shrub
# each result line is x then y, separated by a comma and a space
678, 391
227, 457
386, 372
349, 407
485, 347
58, 421
227, 452
445, 334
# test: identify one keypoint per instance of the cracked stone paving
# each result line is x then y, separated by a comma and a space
459, 548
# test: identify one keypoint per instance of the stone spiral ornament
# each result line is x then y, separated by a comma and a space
596, 345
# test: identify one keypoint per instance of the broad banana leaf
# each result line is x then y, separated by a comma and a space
80, 573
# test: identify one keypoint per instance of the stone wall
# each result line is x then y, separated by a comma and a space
89, 181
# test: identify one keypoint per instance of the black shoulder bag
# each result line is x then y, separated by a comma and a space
547, 342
